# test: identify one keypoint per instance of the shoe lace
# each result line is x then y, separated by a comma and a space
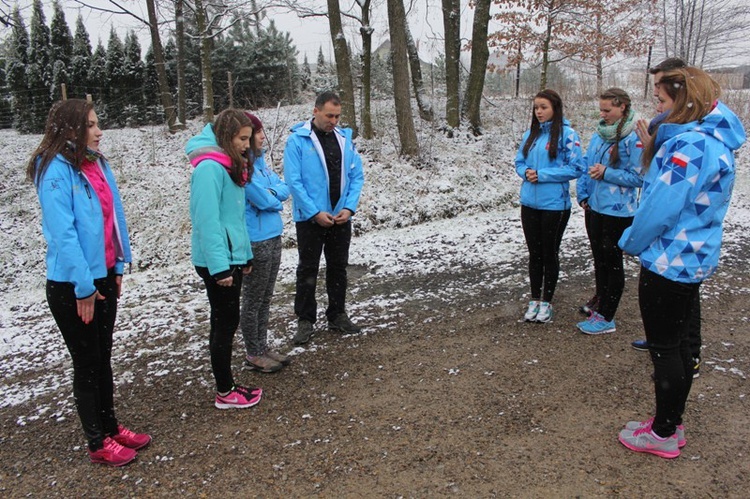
111, 445
125, 431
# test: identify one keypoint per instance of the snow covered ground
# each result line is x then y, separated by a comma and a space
457, 209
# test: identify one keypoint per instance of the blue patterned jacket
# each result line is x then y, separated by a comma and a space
678, 226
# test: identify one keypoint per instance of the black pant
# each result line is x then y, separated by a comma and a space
604, 232
90, 347
225, 317
312, 241
667, 309
543, 230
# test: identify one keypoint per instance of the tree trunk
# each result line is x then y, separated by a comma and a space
180, 40
480, 53
425, 108
545, 50
452, 29
366, 31
343, 67
404, 119
161, 71
206, 75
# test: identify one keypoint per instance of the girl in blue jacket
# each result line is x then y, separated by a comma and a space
87, 248
221, 249
609, 196
676, 234
548, 158
264, 195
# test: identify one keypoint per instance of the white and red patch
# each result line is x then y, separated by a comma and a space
680, 159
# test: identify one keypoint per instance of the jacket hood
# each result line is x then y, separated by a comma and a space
204, 146
721, 123
304, 128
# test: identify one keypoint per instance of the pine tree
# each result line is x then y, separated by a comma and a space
15, 73
98, 82
80, 62
60, 37
152, 104
115, 71
39, 69
306, 78
133, 80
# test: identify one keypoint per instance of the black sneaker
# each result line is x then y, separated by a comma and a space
304, 332
343, 324
696, 367
590, 306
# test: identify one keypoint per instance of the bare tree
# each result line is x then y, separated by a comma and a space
5, 13
424, 106
179, 16
404, 119
343, 66
161, 72
704, 32
480, 54
452, 33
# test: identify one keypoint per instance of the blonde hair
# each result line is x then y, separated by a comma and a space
694, 93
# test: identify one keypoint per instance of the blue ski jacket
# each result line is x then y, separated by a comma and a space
264, 195
307, 176
678, 226
73, 225
217, 209
552, 191
617, 193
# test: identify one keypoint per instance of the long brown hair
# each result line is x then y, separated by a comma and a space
226, 127
617, 97
694, 93
67, 122
556, 127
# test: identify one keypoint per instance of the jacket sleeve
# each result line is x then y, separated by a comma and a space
661, 204
629, 172
521, 166
293, 174
583, 183
205, 198
261, 198
56, 199
572, 160
356, 178
280, 189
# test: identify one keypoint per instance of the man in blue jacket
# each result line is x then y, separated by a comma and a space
324, 173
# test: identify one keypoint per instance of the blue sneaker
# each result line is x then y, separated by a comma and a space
640, 345
596, 324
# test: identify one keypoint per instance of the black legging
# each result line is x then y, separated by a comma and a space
543, 230
225, 317
604, 232
90, 347
668, 311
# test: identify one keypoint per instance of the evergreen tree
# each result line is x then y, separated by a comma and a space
325, 75
15, 73
59, 77
306, 77
321, 65
98, 82
151, 101
133, 80
117, 93
60, 37
6, 116
39, 69
80, 62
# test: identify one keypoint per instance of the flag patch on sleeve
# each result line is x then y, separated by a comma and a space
680, 159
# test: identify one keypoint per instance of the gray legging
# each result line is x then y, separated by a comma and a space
257, 290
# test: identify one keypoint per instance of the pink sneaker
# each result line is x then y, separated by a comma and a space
239, 397
680, 431
112, 454
130, 439
645, 440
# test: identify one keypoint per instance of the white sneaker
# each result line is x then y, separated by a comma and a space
545, 312
530, 315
